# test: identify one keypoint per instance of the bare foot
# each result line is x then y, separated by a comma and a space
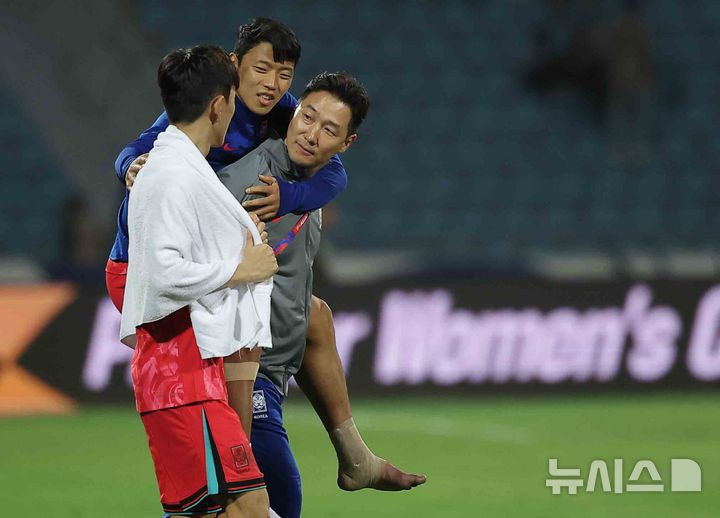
392, 479
382, 476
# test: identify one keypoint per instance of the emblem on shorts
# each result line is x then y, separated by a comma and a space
239, 456
259, 405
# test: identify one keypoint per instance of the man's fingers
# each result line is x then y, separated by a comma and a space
249, 241
264, 213
139, 161
129, 179
134, 169
267, 179
263, 190
251, 204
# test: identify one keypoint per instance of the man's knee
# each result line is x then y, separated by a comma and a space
320, 308
321, 328
252, 504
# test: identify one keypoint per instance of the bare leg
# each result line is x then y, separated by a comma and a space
322, 379
240, 391
253, 504
321, 376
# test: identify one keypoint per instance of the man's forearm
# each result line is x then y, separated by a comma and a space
315, 192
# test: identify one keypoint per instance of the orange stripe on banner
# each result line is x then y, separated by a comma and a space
24, 312
23, 393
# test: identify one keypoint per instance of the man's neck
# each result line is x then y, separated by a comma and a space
304, 171
247, 112
200, 134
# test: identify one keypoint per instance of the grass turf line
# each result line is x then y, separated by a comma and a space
482, 457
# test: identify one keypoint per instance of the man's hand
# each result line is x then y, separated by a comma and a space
134, 169
268, 204
258, 263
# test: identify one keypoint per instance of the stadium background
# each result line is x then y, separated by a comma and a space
524, 265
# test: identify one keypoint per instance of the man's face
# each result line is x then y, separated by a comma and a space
263, 81
225, 110
318, 130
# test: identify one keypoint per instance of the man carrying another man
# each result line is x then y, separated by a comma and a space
325, 123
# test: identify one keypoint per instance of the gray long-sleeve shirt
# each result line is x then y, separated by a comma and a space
292, 290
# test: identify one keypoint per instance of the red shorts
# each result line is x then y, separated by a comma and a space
200, 450
115, 275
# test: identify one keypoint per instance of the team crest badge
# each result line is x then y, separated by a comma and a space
258, 399
239, 456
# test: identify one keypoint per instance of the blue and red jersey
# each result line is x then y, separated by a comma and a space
246, 131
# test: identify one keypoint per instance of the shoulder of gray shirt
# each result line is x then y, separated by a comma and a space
244, 173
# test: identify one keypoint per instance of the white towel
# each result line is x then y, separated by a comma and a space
187, 233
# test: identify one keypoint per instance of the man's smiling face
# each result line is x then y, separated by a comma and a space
263, 81
318, 130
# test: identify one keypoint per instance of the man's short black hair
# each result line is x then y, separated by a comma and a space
346, 88
190, 78
285, 44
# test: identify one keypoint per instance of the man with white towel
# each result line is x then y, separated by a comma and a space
198, 289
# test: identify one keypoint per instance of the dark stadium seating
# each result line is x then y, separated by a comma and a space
458, 152
33, 188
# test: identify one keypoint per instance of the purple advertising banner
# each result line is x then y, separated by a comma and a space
532, 336
470, 337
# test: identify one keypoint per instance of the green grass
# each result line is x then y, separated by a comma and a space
483, 457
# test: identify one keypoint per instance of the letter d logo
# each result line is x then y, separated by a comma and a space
686, 476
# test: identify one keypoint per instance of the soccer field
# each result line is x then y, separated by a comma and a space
483, 457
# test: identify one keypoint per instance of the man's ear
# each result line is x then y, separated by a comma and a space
236, 62
348, 142
217, 105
